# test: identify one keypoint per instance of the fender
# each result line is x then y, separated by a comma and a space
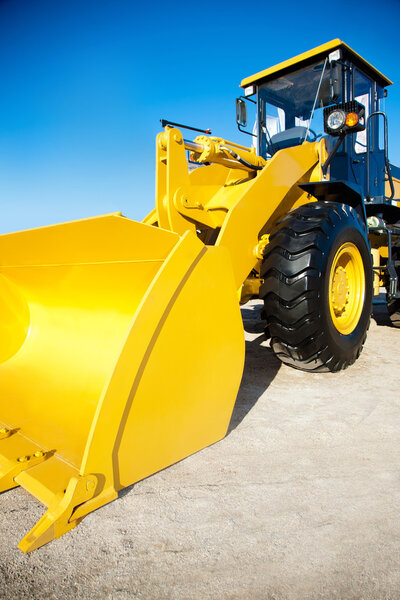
337, 191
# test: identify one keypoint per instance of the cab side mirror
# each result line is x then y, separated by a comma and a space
241, 112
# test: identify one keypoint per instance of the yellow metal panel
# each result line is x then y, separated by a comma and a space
171, 174
15, 318
317, 52
250, 289
174, 416
81, 283
376, 260
262, 203
151, 218
212, 191
48, 480
108, 238
176, 310
396, 184
17, 454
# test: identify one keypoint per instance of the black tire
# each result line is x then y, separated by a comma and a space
394, 312
393, 306
299, 270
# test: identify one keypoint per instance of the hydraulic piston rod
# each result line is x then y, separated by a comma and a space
217, 150
193, 146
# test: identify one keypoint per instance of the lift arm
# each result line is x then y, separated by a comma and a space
237, 200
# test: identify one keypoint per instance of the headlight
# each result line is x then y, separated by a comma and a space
336, 120
347, 117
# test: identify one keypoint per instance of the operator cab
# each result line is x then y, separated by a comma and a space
309, 97
288, 105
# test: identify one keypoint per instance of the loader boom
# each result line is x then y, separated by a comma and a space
240, 204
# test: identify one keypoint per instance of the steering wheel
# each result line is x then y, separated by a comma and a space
314, 139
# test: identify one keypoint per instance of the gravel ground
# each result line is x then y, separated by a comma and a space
300, 500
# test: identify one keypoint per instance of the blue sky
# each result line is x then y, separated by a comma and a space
84, 84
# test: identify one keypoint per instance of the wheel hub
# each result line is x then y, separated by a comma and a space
340, 290
346, 288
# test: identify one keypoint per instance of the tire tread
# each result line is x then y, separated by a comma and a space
291, 270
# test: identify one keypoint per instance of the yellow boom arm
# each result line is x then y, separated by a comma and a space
227, 197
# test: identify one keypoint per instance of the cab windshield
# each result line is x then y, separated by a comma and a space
290, 106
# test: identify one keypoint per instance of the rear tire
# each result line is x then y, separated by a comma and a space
393, 306
317, 288
394, 312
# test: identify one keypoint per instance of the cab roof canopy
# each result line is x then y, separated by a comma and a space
307, 58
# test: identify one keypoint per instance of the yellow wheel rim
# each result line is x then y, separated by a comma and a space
346, 288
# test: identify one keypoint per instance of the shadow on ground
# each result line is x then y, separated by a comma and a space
380, 313
260, 367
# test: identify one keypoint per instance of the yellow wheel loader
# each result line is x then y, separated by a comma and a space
122, 344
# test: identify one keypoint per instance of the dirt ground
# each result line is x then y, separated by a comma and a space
300, 501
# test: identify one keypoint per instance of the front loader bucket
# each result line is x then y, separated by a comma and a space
121, 352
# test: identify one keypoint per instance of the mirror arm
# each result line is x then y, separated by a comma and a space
247, 132
248, 99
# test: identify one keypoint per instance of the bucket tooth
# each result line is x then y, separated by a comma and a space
18, 454
56, 521
10, 469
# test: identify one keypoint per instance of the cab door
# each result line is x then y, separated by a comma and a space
365, 91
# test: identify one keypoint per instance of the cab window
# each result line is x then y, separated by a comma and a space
363, 94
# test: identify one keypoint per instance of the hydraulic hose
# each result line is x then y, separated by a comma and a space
215, 151
240, 159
